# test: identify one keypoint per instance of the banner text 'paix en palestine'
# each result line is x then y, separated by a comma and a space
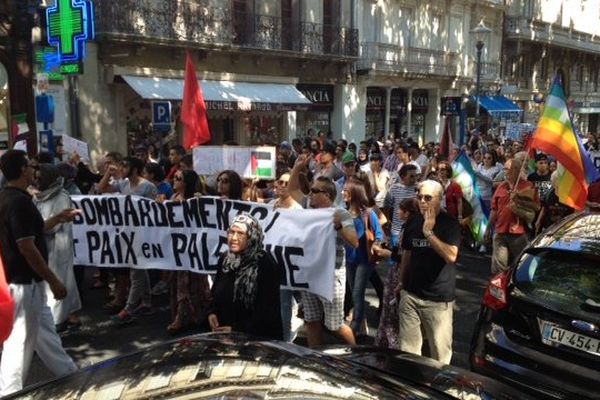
116, 231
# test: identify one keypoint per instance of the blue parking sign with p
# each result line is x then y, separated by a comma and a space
161, 113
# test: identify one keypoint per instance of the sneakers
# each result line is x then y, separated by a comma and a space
123, 316
482, 249
142, 309
160, 288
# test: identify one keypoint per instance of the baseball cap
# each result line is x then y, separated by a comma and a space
348, 157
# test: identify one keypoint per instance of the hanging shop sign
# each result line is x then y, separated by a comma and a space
451, 105
70, 24
321, 96
420, 101
375, 99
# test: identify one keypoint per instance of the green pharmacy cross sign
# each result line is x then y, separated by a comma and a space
70, 23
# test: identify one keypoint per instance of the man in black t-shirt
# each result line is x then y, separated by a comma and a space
541, 180
428, 277
25, 260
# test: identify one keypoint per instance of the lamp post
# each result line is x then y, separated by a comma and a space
480, 31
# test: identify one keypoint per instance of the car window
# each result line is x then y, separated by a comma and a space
568, 281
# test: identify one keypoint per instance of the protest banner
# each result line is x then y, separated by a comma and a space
72, 146
131, 231
249, 162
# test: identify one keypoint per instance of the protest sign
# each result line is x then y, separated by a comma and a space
249, 162
131, 231
72, 146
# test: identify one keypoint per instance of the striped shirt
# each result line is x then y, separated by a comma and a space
394, 197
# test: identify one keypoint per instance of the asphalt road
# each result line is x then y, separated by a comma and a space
99, 338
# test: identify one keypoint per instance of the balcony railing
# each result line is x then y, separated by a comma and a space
489, 71
186, 22
392, 58
538, 31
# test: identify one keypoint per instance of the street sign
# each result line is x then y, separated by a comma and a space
161, 116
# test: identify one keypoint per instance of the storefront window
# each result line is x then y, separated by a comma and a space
4, 108
375, 117
262, 129
318, 116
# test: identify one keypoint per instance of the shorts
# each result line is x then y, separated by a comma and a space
317, 308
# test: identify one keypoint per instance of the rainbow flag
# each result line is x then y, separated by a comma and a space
555, 135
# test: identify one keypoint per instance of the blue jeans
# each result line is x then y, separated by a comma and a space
394, 240
358, 277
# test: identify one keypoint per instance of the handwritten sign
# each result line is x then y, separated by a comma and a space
249, 162
72, 146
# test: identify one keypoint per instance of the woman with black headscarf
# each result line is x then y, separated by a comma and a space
245, 294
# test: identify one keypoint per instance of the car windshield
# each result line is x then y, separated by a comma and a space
568, 282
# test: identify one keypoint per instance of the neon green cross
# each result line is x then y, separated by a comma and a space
65, 25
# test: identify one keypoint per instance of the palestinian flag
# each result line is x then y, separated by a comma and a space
262, 164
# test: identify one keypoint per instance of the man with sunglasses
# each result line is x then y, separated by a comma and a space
317, 310
427, 275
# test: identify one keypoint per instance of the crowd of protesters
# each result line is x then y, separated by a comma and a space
395, 203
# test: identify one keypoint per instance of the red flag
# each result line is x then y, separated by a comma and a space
193, 109
446, 144
7, 306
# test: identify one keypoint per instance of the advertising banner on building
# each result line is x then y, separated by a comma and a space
131, 231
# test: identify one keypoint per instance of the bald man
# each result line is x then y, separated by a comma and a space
428, 277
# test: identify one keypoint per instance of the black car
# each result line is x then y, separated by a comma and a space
230, 366
539, 324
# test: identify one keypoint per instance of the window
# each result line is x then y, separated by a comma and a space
559, 279
528, 8
405, 24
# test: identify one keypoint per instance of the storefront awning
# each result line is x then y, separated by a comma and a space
224, 95
499, 106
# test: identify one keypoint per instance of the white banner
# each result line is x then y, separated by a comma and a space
131, 231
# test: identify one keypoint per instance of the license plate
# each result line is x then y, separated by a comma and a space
553, 335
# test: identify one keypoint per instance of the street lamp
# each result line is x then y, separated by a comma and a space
481, 32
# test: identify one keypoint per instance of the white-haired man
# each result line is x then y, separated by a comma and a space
428, 276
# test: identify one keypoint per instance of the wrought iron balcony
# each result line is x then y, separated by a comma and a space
525, 28
392, 58
490, 71
186, 22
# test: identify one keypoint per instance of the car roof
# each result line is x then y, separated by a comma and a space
577, 233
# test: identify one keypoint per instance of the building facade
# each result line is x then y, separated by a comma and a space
546, 37
270, 70
416, 58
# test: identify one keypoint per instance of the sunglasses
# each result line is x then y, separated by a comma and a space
222, 180
425, 197
178, 178
317, 191
282, 183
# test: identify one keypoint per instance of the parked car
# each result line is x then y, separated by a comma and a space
539, 324
230, 366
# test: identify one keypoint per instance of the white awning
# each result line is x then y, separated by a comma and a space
239, 95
